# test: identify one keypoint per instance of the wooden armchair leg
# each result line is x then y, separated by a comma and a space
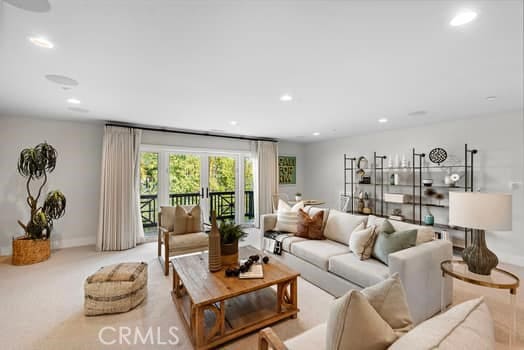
159, 243
267, 338
166, 253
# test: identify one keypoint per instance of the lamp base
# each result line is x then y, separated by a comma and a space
477, 256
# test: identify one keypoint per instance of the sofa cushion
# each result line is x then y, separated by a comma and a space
362, 272
310, 226
318, 252
389, 300
466, 326
353, 324
314, 338
188, 241
287, 217
288, 241
424, 233
340, 225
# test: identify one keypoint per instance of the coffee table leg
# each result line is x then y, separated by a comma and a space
199, 327
294, 295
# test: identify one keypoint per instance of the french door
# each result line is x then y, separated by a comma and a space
219, 182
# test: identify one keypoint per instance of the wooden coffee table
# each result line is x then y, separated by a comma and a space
217, 309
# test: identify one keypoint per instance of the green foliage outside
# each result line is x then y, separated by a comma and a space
184, 173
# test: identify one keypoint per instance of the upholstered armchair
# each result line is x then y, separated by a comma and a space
180, 231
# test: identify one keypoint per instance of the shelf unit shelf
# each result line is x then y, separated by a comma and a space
415, 169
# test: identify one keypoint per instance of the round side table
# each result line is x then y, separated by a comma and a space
499, 279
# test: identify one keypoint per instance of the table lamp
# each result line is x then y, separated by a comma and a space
480, 212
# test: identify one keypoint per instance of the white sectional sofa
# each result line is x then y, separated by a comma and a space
331, 265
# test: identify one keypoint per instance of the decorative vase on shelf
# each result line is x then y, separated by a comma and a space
214, 254
429, 219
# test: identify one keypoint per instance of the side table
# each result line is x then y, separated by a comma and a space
499, 279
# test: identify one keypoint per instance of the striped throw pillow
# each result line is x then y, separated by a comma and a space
287, 216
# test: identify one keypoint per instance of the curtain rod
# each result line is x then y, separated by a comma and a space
188, 132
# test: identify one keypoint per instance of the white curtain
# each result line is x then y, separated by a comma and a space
267, 177
120, 221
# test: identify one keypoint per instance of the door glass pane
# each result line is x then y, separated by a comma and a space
249, 200
149, 190
184, 179
222, 184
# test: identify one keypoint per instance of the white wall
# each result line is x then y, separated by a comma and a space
77, 174
499, 140
294, 149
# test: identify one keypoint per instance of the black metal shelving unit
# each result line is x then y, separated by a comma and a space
416, 168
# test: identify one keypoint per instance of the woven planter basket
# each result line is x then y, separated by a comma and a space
30, 251
229, 253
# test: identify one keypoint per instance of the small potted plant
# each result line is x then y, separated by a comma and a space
298, 196
230, 234
35, 246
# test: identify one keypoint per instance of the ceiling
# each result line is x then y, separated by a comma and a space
201, 64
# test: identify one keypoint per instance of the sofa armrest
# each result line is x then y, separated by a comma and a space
267, 339
419, 270
267, 223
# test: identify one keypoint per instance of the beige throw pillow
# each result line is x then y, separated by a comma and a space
353, 324
287, 216
361, 241
187, 219
388, 298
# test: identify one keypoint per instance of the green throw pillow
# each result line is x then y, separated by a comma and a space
387, 243
386, 227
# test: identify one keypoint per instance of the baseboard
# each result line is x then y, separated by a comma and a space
57, 244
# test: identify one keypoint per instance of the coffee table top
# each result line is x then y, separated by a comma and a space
205, 287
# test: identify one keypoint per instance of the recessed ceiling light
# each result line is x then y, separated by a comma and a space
77, 109
286, 98
233, 122
73, 101
61, 79
491, 98
41, 41
316, 134
463, 17
383, 120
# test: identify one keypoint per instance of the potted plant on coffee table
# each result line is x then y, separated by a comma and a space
35, 246
230, 234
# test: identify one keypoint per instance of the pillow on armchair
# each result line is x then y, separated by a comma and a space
181, 219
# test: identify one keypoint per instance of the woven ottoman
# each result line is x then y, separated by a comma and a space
115, 288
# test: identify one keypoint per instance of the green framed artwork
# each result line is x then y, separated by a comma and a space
287, 170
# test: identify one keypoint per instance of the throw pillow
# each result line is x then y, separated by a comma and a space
387, 243
287, 216
310, 226
353, 324
361, 242
313, 210
389, 300
387, 227
340, 225
187, 219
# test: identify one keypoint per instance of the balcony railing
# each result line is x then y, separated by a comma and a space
222, 202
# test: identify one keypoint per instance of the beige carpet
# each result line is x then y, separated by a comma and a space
41, 305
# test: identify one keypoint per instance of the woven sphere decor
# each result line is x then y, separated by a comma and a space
438, 155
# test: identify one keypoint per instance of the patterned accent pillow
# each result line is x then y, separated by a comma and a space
287, 217
310, 226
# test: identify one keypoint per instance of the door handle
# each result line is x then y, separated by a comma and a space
202, 193
207, 192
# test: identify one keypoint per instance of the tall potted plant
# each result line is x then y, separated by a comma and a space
230, 234
35, 246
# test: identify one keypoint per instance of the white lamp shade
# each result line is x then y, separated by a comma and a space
483, 211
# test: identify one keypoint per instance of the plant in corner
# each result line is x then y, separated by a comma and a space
230, 234
34, 164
